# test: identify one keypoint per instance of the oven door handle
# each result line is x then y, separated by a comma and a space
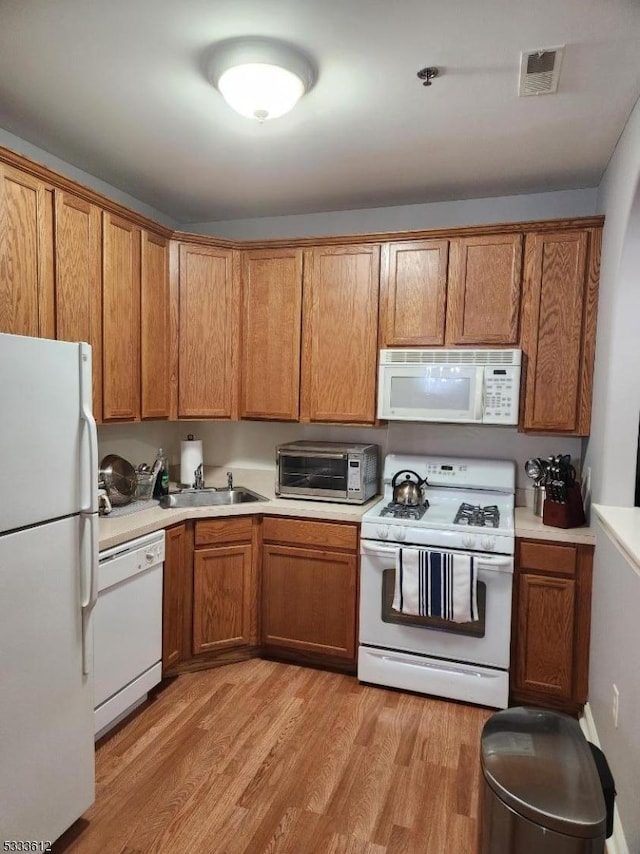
490, 562
367, 548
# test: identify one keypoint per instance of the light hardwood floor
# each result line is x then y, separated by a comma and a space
266, 757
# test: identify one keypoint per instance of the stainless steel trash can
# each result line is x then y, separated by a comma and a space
540, 790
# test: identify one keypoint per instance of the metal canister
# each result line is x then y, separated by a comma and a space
538, 499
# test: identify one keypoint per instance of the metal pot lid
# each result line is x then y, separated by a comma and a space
540, 764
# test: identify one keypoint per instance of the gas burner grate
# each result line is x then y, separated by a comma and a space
481, 517
403, 511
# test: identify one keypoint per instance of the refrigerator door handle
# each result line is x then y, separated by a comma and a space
89, 583
88, 479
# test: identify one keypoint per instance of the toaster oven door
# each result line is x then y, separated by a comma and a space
315, 475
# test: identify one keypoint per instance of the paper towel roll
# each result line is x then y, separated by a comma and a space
190, 459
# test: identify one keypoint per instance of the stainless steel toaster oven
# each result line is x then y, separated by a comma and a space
327, 471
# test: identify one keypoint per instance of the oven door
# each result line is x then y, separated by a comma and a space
484, 642
431, 393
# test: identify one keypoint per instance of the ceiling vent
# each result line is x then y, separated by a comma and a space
540, 71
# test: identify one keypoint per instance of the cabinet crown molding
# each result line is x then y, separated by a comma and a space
56, 180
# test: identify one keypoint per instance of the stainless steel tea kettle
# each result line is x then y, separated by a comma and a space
409, 492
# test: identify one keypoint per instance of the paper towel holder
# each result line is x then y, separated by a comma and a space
191, 461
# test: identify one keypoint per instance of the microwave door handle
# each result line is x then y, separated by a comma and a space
478, 403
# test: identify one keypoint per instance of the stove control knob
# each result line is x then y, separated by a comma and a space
468, 542
488, 543
401, 535
383, 532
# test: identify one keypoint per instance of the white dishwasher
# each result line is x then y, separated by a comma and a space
127, 628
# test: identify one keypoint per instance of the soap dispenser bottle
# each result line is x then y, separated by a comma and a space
161, 466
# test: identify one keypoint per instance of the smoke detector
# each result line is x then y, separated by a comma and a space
540, 71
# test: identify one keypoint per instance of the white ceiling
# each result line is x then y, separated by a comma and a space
116, 87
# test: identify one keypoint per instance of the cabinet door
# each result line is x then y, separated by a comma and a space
309, 600
120, 318
174, 583
271, 318
483, 300
414, 283
546, 608
25, 252
221, 598
78, 303
206, 332
154, 326
559, 330
340, 319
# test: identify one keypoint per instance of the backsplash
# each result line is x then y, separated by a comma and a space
251, 444
139, 443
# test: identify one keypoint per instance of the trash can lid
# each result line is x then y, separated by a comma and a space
540, 764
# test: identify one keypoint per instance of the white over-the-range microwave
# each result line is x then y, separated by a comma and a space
463, 386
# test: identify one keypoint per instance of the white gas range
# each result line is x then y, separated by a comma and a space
469, 509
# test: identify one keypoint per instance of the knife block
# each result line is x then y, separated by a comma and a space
569, 514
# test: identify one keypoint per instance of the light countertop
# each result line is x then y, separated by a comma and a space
119, 530
531, 527
623, 524
114, 531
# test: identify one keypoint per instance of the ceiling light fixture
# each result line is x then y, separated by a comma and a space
260, 78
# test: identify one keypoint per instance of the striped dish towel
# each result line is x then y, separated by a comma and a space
436, 584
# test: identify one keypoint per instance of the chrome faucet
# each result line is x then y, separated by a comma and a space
229, 480
198, 478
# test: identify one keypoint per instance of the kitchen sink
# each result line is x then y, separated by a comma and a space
210, 497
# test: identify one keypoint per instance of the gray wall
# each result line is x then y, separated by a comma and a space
615, 660
565, 203
611, 453
21, 146
611, 449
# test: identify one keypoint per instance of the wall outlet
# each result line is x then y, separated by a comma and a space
586, 481
615, 704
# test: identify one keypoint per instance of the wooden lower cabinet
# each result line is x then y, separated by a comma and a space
174, 586
221, 598
223, 607
309, 593
551, 624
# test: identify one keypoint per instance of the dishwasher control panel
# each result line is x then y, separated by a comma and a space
128, 559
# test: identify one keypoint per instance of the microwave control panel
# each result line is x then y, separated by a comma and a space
501, 395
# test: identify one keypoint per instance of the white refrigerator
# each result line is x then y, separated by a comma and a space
48, 585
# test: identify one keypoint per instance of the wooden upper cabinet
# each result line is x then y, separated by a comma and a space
208, 331
339, 333
78, 276
558, 334
483, 300
271, 319
26, 249
120, 318
154, 326
414, 288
